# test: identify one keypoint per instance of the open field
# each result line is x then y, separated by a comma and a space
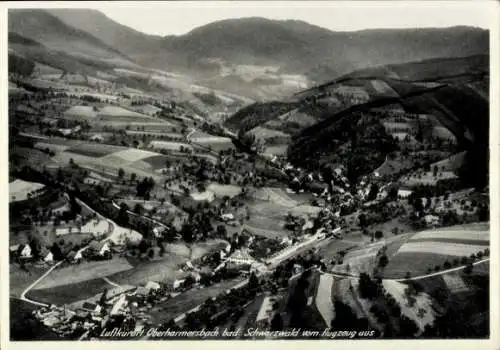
443, 133
417, 263
86, 112
69, 293
202, 248
423, 301
397, 125
359, 260
202, 196
84, 271
448, 233
20, 279
330, 250
169, 145
391, 166
43, 146
158, 161
427, 178
102, 97
131, 155
275, 150
323, 298
94, 149
265, 133
146, 109
155, 133
259, 228
268, 210
19, 190
455, 283
451, 163
224, 190
417, 252
164, 270
203, 137
382, 88
120, 112
171, 308
341, 291
446, 248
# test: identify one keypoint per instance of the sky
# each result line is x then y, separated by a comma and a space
176, 18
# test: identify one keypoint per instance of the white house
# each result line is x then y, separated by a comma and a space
119, 306
286, 240
157, 231
227, 217
404, 193
222, 254
431, 220
49, 258
97, 138
62, 231
78, 255
240, 257
178, 283
104, 249
26, 252
152, 285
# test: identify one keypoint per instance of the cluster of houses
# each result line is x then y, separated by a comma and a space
95, 250
125, 302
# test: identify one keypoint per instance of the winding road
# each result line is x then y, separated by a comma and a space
416, 278
31, 286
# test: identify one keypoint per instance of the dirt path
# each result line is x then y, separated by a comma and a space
31, 286
438, 273
416, 278
107, 280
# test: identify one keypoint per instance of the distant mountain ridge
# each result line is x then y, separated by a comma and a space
293, 45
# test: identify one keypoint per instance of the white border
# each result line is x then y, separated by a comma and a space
492, 343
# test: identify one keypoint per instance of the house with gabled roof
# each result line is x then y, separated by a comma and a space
26, 252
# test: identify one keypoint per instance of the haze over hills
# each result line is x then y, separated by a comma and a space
214, 53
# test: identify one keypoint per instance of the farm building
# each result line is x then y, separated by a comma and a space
47, 256
100, 248
227, 217
113, 293
142, 291
49, 121
431, 220
97, 138
241, 257
178, 283
65, 132
20, 190
119, 306
26, 252
62, 231
404, 192
91, 307
91, 181
153, 285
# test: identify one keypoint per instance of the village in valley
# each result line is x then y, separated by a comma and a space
140, 201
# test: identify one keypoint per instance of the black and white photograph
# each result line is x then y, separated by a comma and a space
248, 171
